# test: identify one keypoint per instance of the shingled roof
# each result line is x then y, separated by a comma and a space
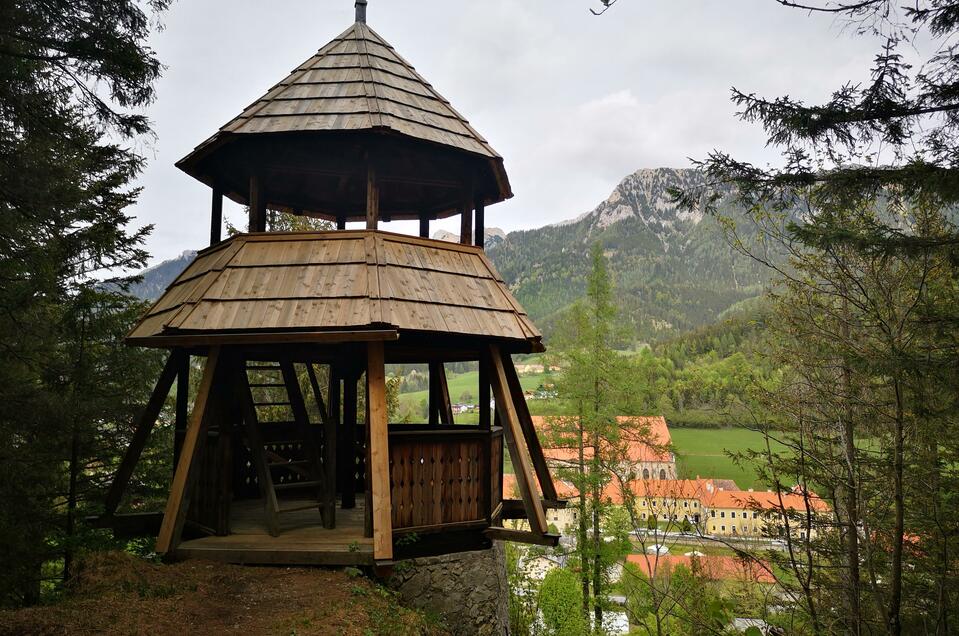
342, 280
356, 82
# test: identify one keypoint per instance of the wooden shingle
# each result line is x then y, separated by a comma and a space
340, 280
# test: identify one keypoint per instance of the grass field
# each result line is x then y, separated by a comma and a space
467, 383
703, 452
699, 451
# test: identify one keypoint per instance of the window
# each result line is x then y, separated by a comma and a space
723, 527
645, 473
662, 473
695, 504
644, 503
733, 528
712, 513
644, 515
723, 514
654, 503
685, 504
733, 514
755, 514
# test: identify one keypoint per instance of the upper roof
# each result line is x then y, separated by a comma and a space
357, 83
275, 283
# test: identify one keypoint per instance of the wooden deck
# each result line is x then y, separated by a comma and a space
302, 539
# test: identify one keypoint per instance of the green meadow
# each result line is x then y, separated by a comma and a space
699, 451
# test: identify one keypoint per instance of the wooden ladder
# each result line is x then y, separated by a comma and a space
282, 465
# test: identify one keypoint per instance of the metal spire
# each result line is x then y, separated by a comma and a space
361, 11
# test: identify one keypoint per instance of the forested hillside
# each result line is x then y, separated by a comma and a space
673, 270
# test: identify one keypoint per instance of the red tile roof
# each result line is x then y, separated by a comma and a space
646, 439
717, 568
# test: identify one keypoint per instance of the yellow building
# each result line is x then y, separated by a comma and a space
758, 513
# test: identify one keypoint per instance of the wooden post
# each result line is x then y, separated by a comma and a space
348, 458
484, 412
257, 206
141, 434
216, 216
379, 452
182, 405
466, 224
185, 476
441, 410
227, 416
372, 197
479, 236
329, 448
529, 432
341, 222
516, 443
424, 226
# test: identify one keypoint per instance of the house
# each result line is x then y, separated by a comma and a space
758, 513
716, 568
646, 442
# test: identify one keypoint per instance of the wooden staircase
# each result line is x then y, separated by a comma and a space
286, 458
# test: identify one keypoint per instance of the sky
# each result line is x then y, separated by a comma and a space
573, 102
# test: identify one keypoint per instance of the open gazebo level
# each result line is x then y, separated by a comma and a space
352, 134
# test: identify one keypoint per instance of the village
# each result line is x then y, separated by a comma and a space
290, 347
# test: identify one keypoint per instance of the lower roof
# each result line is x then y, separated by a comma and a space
323, 285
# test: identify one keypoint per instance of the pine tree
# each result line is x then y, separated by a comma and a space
72, 75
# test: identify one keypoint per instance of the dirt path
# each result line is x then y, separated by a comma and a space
118, 594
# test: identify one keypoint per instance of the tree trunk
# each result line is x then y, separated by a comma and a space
581, 539
893, 624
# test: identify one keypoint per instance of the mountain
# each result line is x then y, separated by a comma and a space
156, 279
673, 269
491, 236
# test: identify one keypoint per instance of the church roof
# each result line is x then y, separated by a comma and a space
356, 82
276, 283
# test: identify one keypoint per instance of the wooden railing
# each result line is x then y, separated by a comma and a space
442, 476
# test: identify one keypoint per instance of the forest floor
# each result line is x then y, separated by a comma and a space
115, 593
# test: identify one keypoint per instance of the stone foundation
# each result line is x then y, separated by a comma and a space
468, 590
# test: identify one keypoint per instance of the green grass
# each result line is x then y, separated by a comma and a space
468, 383
702, 451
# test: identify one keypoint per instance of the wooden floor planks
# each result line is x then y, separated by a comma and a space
302, 541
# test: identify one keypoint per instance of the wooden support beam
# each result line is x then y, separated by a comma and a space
185, 476
522, 536
529, 431
257, 206
424, 226
372, 197
485, 422
348, 439
466, 223
379, 452
182, 413
216, 216
479, 235
515, 441
141, 433
441, 409
329, 447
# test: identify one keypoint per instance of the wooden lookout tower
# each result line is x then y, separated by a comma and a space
304, 324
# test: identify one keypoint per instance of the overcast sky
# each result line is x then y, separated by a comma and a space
572, 102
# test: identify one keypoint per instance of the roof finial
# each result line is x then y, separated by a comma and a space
361, 11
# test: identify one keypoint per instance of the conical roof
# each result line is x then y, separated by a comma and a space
357, 83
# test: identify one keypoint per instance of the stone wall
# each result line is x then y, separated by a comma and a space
468, 590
